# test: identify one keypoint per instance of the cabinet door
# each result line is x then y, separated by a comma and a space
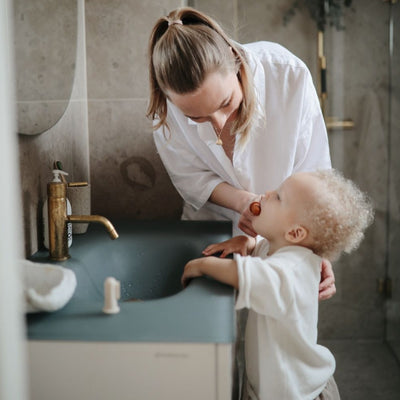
134, 371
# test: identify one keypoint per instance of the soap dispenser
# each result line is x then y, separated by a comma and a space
56, 180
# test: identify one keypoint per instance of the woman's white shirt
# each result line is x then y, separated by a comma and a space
287, 136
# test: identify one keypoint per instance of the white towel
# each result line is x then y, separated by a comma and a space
47, 287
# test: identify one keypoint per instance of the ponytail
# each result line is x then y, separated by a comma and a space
184, 48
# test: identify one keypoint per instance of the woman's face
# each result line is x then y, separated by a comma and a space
216, 101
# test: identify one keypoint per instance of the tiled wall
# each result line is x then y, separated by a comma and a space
109, 100
127, 176
129, 180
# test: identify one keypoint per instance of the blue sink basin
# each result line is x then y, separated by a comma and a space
148, 259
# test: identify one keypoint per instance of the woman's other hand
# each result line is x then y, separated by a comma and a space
245, 222
238, 200
327, 287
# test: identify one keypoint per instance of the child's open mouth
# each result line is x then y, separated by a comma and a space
255, 208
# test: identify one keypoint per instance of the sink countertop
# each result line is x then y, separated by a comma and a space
201, 313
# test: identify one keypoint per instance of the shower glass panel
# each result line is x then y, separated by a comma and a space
393, 303
363, 76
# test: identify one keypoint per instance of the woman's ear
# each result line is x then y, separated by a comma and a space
296, 234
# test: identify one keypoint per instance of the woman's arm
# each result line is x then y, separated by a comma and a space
188, 170
230, 197
237, 200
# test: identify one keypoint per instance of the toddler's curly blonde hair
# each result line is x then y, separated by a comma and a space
338, 216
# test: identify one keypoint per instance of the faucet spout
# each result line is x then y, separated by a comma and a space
95, 218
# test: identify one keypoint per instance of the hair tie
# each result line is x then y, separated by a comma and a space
175, 22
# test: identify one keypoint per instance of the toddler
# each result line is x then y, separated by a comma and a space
312, 215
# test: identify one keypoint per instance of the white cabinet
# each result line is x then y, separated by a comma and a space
61, 370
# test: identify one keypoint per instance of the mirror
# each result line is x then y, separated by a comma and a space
45, 38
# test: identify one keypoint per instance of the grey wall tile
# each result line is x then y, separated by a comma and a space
117, 39
128, 178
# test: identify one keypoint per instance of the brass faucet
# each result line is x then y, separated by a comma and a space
58, 219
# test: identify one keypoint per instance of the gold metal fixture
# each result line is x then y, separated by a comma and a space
58, 218
77, 184
95, 218
331, 123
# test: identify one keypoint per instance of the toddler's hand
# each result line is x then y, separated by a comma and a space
192, 270
242, 245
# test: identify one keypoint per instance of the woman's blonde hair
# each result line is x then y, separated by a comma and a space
338, 215
184, 48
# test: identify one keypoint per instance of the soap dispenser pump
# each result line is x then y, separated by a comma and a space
56, 181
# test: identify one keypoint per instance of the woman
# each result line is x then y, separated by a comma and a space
225, 113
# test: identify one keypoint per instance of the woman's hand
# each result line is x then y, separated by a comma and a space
245, 222
237, 200
327, 286
242, 245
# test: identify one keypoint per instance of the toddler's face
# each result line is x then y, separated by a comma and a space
281, 208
